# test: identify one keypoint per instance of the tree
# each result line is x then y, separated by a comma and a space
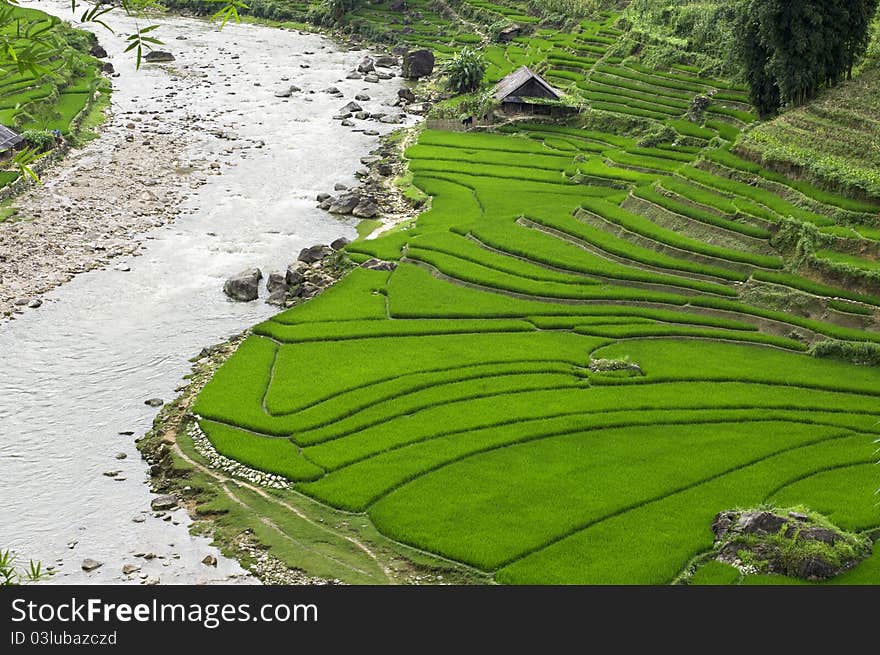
464, 72
792, 50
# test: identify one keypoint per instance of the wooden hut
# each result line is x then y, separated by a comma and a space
9, 141
526, 92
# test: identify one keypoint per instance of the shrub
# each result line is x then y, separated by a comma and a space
464, 71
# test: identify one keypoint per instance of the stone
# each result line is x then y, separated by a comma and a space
406, 95
128, 569
98, 51
163, 502
366, 65
384, 169
354, 75
398, 5
760, 523
154, 402
417, 108
361, 97
339, 186
89, 564
107, 67
121, 455
342, 117
321, 197
331, 89
362, 115
275, 282
418, 63
209, 560
392, 118
340, 243
350, 108
284, 92
366, 210
347, 123
158, 56
293, 276
372, 79
35, 303
277, 298
344, 204
385, 61
798, 516
374, 264
313, 254
244, 286
382, 75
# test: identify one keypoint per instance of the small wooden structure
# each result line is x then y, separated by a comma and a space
526, 92
9, 141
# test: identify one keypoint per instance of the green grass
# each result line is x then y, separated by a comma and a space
451, 403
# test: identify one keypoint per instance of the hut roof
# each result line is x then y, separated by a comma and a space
8, 138
515, 81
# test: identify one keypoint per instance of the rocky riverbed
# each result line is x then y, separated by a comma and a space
202, 171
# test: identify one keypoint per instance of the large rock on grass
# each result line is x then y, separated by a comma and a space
244, 286
418, 63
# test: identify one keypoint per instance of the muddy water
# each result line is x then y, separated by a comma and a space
75, 373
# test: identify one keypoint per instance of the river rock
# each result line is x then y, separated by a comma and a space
365, 210
35, 303
284, 92
372, 79
392, 118
354, 75
339, 186
362, 115
344, 204
361, 97
154, 402
350, 108
163, 502
417, 108
321, 197
209, 560
366, 65
128, 569
313, 254
340, 243
98, 51
244, 286
275, 282
158, 56
89, 564
293, 276
386, 61
331, 90
406, 95
418, 63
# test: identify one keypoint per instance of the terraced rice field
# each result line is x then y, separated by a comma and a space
461, 403
50, 101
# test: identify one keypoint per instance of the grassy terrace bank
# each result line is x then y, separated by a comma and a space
479, 407
69, 96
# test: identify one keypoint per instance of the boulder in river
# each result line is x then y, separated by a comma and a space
366, 65
406, 95
89, 564
158, 56
340, 243
276, 282
366, 209
244, 286
386, 61
418, 63
344, 204
154, 402
163, 502
350, 108
294, 275
313, 253
98, 51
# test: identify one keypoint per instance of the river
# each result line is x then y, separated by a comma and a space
75, 372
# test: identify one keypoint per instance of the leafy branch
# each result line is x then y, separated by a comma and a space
138, 42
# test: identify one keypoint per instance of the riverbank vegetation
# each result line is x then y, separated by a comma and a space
601, 333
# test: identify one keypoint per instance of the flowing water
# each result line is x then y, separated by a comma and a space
76, 372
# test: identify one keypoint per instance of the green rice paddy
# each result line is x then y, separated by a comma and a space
452, 401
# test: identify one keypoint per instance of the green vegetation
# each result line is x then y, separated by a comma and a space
455, 404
